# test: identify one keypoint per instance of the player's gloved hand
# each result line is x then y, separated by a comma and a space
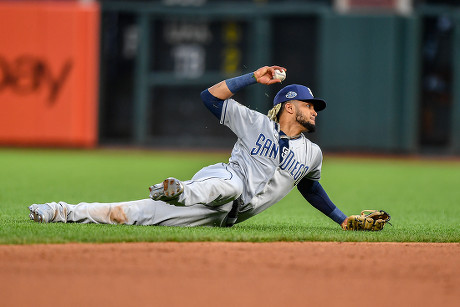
372, 220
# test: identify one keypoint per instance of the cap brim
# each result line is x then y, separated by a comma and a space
319, 104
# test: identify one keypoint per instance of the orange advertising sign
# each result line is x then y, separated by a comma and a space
49, 73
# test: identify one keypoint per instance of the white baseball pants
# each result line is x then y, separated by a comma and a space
206, 201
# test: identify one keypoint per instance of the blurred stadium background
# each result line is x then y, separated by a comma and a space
91, 73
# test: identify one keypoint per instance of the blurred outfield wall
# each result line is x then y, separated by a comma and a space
392, 80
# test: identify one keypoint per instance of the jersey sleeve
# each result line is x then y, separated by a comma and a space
314, 193
317, 162
213, 103
239, 118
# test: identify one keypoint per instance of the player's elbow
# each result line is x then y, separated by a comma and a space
214, 104
204, 95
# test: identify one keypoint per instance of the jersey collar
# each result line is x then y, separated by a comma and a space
284, 136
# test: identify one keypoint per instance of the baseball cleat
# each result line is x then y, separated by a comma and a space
168, 189
41, 213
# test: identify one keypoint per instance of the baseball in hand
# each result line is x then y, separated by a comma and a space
279, 74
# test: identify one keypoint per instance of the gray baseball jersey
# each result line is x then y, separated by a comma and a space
269, 172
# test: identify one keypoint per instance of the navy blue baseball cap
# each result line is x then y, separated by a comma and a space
298, 92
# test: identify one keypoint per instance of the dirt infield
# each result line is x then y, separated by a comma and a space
230, 274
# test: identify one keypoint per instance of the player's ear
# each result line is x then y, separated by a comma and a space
289, 107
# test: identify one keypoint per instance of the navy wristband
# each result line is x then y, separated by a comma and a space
337, 216
237, 83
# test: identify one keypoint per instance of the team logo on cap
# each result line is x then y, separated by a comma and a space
310, 92
291, 94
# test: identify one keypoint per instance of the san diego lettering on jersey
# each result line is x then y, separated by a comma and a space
265, 147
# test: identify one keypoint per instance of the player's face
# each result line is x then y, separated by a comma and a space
306, 115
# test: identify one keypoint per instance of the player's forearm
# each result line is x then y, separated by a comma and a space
318, 198
220, 90
225, 89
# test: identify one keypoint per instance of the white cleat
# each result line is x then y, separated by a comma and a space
43, 213
169, 189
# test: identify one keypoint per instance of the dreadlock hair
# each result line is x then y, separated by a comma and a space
274, 113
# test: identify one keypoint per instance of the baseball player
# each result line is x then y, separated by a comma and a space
269, 159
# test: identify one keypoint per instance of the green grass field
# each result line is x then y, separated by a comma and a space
423, 197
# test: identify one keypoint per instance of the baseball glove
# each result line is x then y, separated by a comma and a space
372, 220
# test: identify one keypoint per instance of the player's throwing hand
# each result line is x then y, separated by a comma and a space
265, 75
